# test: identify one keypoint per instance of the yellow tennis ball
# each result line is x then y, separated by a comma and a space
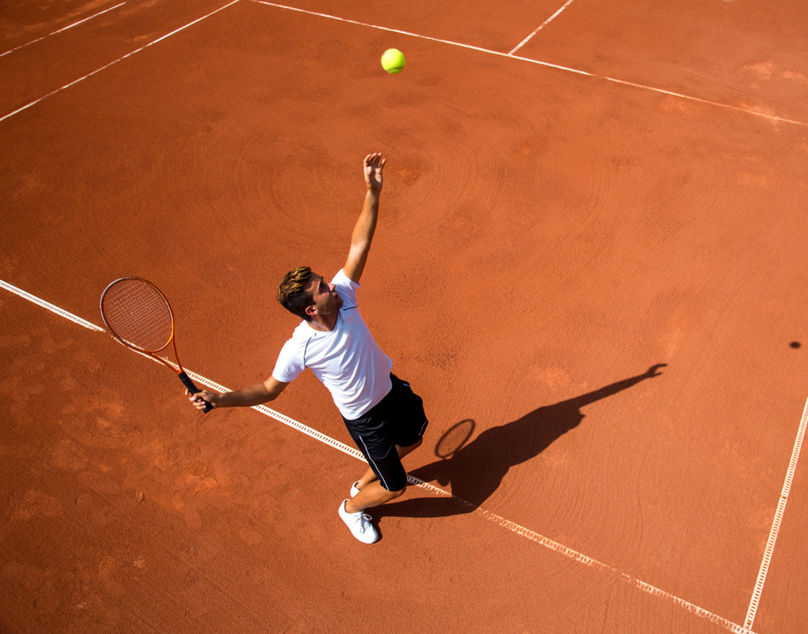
393, 60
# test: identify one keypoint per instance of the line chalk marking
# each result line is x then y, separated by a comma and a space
533, 536
48, 306
516, 528
64, 28
423, 37
778, 518
537, 62
112, 63
541, 26
707, 102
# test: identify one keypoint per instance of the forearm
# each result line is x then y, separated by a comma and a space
365, 225
246, 397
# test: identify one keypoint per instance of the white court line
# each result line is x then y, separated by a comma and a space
48, 306
520, 530
576, 71
778, 518
112, 63
541, 26
708, 102
423, 37
64, 28
568, 69
533, 536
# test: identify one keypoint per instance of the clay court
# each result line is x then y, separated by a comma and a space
590, 262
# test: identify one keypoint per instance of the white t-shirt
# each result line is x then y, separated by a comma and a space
347, 359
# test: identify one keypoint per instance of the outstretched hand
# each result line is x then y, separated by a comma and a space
654, 369
373, 165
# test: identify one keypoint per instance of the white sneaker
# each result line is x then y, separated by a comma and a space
359, 524
354, 489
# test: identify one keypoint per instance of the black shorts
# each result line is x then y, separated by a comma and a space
398, 419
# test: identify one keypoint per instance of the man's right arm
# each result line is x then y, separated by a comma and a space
365, 226
246, 397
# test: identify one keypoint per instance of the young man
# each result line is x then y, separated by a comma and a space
383, 415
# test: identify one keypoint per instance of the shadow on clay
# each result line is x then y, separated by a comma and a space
474, 471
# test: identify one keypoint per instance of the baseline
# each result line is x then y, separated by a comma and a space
527, 533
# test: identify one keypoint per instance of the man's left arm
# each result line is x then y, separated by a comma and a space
365, 226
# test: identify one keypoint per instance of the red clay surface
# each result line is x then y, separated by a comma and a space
545, 238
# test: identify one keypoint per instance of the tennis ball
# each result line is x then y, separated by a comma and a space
393, 60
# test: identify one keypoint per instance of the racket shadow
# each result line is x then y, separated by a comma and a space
476, 469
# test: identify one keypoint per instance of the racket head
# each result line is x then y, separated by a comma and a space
454, 438
137, 314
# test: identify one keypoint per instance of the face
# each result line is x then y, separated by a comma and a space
324, 295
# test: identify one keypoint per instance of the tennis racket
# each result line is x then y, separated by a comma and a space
139, 316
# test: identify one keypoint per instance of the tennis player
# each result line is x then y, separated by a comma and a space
383, 415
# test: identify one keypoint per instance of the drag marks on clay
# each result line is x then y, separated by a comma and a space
35, 502
766, 71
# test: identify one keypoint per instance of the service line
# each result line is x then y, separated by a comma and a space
531, 535
423, 37
64, 28
538, 62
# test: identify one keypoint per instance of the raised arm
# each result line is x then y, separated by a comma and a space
365, 226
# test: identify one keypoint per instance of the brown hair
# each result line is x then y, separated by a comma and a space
292, 291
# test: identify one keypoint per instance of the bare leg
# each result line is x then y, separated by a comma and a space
369, 476
373, 494
366, 479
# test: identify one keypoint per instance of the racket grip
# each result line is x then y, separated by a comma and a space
191, 387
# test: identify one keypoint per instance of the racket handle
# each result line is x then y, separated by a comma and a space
189, 385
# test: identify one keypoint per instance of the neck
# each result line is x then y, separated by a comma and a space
324, 323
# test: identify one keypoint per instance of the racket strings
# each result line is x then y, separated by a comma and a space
137, 313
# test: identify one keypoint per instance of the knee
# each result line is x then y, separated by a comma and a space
403, 451
392, 495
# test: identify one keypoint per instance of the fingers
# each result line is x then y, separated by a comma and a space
199, 399
375, 160
372, 171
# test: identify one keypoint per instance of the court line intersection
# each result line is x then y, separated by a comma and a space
622, 82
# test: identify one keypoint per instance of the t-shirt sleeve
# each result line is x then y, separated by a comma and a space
346, 288
290, 362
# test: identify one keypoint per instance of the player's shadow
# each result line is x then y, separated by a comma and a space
475, 470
